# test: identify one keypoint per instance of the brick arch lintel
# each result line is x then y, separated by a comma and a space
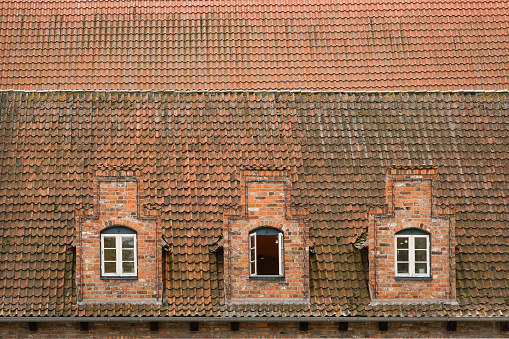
134, 224
277, 224
400, 227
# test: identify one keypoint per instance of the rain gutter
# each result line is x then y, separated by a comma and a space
247, 319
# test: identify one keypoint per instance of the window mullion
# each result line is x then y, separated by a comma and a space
428, 256
119, 254
411, 255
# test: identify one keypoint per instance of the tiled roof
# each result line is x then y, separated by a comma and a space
254, 45
192, 146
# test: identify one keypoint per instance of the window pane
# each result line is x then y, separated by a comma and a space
127, 242
402, 268
420, 255
420, 243
110, 267
253, 268
402, 255
109, 242
110, 255
127, 255
421, 268
128, 267
402, 242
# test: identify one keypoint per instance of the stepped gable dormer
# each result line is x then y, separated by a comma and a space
411, 242
266, 242
118, 245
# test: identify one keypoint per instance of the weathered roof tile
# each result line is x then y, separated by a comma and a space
337, 147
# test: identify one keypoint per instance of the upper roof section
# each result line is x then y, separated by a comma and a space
254, 45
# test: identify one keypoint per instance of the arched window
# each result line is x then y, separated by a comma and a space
266, 253
119, 252
412, 253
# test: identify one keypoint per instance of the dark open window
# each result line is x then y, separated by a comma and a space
266, 252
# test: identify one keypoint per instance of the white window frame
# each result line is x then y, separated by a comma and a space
118, 248
411, 256
253, 255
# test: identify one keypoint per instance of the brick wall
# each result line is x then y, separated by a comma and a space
409, 193
265, 203
253, 330
118, 204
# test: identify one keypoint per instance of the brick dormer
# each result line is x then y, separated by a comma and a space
411, 242
118, 246
266, 245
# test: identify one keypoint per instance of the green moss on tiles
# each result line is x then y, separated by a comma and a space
362, 238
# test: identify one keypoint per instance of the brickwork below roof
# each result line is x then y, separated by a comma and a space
192, 147
254, 45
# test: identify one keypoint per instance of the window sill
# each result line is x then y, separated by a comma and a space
413, 278
267, 277
118, 278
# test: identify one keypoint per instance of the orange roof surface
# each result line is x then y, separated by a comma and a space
254, 45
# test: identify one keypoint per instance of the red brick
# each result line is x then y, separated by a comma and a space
382, 232
113, 213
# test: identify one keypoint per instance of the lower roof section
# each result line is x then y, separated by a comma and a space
193, 145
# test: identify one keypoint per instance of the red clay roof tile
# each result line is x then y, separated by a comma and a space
337, 147
254, 45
